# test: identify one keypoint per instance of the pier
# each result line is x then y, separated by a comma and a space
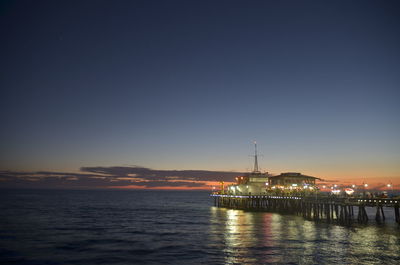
332, 209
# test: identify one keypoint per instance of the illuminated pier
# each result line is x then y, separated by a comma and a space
328, 208
295, 193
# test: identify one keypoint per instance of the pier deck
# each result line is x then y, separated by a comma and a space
328, 208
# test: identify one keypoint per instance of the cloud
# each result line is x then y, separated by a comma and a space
117, 177
162, 174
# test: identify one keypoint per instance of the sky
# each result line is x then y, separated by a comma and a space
186, 86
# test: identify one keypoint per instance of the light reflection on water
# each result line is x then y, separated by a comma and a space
165, 227
260, 237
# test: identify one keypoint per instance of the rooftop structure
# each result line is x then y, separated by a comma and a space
258, 183
253, 183
292, 180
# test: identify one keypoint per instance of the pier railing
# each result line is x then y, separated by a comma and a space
328, 208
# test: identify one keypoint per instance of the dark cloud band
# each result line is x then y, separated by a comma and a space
105, 177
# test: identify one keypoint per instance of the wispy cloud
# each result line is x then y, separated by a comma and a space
117, 177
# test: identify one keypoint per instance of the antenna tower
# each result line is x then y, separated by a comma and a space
255, 158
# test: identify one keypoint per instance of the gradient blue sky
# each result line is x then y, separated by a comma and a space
190, 84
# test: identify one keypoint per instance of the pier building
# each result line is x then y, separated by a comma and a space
293, 180
258, 183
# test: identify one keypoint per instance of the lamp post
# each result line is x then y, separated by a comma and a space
365, 186
390, 185
354, 188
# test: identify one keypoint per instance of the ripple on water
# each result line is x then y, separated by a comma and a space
164, 227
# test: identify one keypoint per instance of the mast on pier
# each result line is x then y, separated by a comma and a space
255, 158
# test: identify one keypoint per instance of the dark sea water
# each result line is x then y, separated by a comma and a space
174, 227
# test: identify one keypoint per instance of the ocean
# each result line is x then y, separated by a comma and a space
174, 227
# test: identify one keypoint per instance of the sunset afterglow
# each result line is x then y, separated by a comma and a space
182, 87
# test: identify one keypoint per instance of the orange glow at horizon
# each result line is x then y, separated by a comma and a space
208, 185
371, 181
